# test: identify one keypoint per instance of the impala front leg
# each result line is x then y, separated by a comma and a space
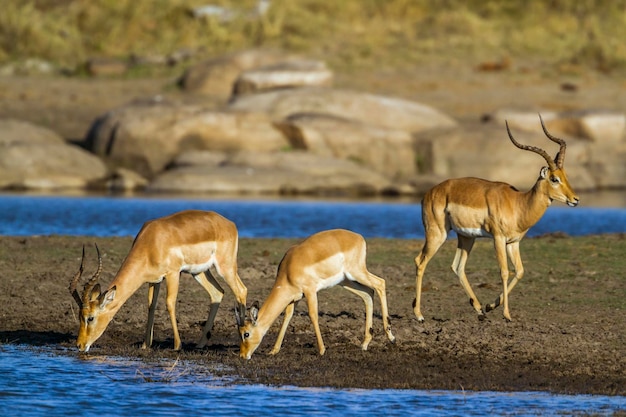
172, 282
311, 299
514, 255
153, 296
500, 246
283, 329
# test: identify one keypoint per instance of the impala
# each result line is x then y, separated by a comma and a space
323, 260
189, 241
474, 208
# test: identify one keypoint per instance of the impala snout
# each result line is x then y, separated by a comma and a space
573, 202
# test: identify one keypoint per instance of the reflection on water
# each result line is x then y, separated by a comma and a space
105, 216
51, 383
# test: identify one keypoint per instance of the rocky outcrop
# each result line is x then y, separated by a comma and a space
289, 74
388, 151
371, 109
146, 137
485, 151
33, 157
216, 77
280, 128
279, 173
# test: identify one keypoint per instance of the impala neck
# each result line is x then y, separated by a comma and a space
276, 302
536, 200
126, 282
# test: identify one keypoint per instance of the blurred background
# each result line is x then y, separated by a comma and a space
89, 70
567, 35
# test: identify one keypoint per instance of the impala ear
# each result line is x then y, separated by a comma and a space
107, 297
545, 171
95, 293
254, 312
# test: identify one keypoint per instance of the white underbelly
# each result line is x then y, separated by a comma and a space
472, 232
330, 281
197, 268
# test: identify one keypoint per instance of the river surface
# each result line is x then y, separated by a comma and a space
45, 382
105, 216
55, 382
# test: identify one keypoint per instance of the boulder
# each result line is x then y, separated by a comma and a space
268, 173
288, 74
32, 157
216, 77
388, 151
146, 137
485, 151
607, 165
599, 126
379, 111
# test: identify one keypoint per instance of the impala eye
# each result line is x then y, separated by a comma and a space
246, 335
90, 319
555, 180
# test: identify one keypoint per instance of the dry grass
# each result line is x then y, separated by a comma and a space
349, 33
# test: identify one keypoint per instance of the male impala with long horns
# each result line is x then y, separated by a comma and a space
190, 241
474, 208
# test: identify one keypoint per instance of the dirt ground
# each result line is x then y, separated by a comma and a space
568, 330
568, 333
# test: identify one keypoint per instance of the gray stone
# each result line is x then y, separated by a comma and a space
288, 74
32, 157
388, 151
380, 111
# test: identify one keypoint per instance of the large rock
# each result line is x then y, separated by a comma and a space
216, 77
485, 151
32, 157
288, 74
146, 137
380, 111
388, 151
599, 126
267, 173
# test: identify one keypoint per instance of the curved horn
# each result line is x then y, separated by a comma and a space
560, 156
551, 164
75, 280
94, 279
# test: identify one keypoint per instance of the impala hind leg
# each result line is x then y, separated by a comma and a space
216, 293
512, 250
434, 239
367, 295
153, 297
226, 268
374, 283
463, 250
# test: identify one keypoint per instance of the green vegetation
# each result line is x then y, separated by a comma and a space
566, 34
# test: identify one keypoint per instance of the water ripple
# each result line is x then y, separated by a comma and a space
106, 216
45, 382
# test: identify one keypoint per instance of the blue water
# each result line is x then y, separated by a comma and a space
49, 382
52, 383
105, 216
